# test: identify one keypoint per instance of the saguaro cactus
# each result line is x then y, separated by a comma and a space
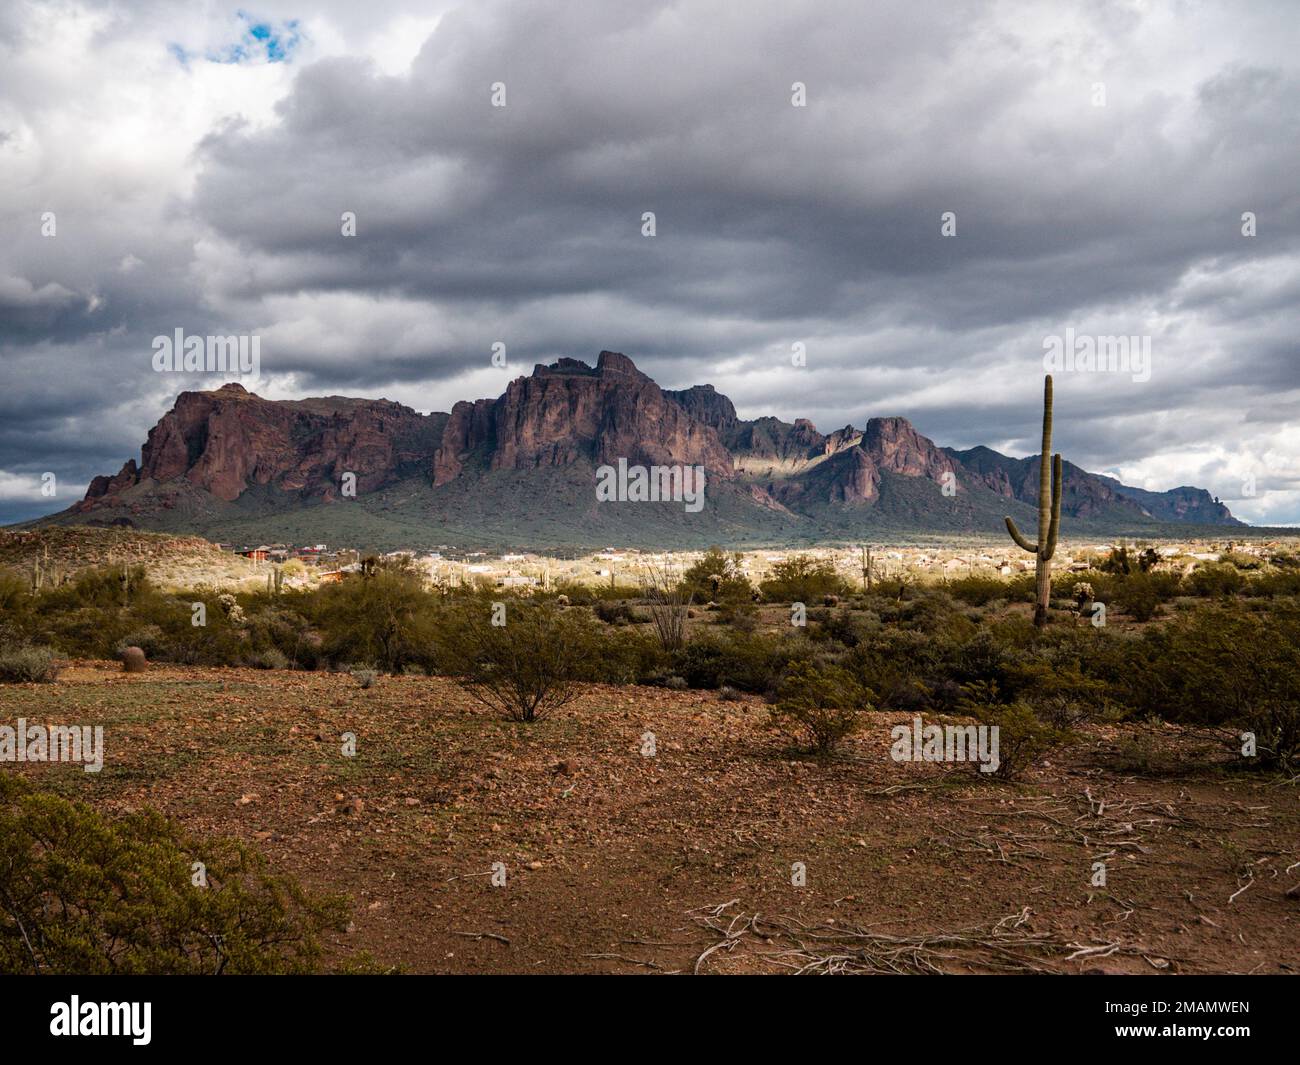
1049, 514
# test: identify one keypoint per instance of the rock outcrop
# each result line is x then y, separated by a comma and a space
229, 440
569, 413
214, 447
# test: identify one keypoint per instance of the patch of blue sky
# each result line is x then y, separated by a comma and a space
261, 41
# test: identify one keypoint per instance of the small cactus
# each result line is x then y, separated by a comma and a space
134, 661
1049, 514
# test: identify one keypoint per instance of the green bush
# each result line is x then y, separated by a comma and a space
383, 616
981, 590
1225, 667
527, 667
1215, 581
818, 706
1137, 596
82, 894
803, 579
717, 577
267, 658
29, 665
1023, 738
750, 662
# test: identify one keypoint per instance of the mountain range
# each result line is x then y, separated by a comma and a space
519, 470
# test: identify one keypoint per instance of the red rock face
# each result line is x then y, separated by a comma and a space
226, 442
850, 476
469, 426
229, 440
570, 412
897, 447
705, 404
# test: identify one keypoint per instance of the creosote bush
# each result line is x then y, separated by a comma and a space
818, 706
527, 667
803, 579
85, 894
1023, 736
28, 665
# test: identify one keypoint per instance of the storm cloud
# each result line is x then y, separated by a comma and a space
1096, 161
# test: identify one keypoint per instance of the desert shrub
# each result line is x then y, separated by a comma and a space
267, 658
1137, 596
14, 595
899, 665
935, 612
216, 643
580, 594
149, 638
717, 578
28, 665
614, 613
87, 632
818, 706
1215, 581
1023, 738
1125, 560
624, 657
1273, 582
1225, 667
84, 894
525, 669
365, 678
384, 616
1167, 584
803, 579
750, 662
847, 627
1064, 711
280, 625
103, 587
741, 616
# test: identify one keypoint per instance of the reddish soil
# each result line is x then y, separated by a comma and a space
619, 862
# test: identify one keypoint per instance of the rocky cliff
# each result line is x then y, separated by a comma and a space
213, 448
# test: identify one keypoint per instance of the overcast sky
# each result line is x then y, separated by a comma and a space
1098, 158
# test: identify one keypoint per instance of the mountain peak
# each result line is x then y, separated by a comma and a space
897, 447
569, 416
616, 362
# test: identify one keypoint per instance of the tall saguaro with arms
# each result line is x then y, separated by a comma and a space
1049, 514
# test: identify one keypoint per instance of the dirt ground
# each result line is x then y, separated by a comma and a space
619, 861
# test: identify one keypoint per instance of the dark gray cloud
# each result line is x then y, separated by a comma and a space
210, 199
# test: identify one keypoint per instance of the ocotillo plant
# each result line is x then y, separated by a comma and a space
1049, 514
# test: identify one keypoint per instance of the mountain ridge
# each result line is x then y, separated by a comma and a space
229, 459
